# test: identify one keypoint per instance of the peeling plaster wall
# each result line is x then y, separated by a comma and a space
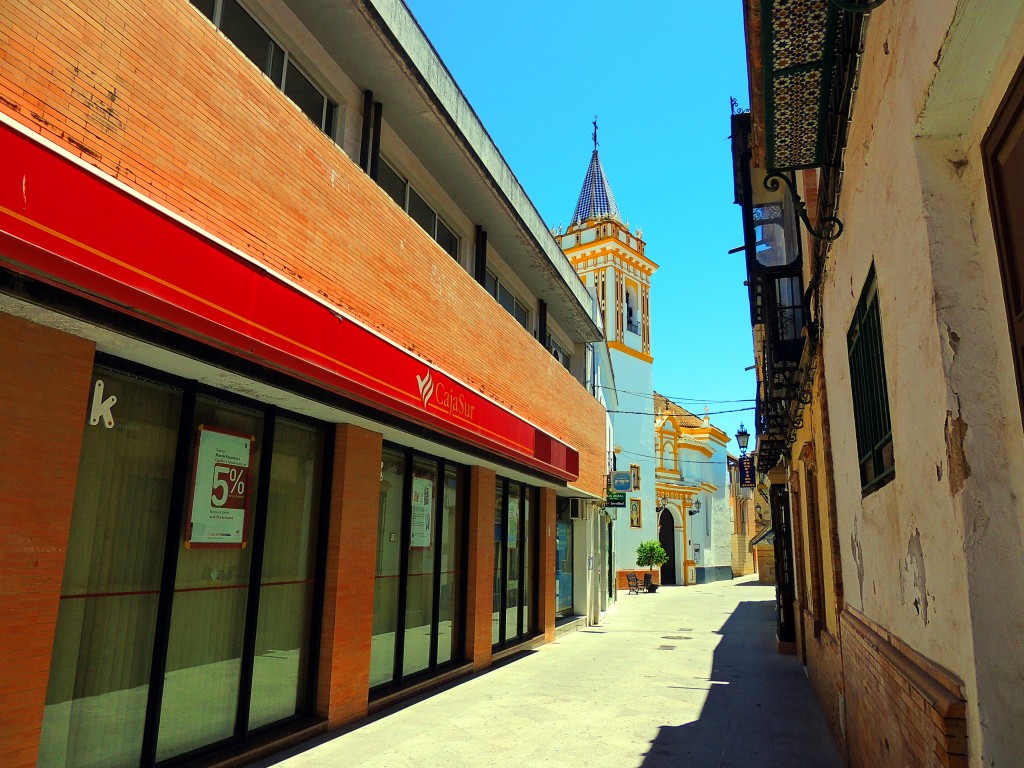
936, 555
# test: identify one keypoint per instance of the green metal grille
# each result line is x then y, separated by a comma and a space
870, 394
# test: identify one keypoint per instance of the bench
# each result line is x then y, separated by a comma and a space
634, 584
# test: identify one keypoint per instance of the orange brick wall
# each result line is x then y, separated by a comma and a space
901, 710
349, 581
44, 395
150, 93
825, 671
480, 568
546, 557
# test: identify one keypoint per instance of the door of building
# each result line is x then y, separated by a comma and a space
667, 537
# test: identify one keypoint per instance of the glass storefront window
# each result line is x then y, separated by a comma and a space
281, 664
417, 593
513, 543
99, 680
563, 560
499, 561
211, 590
225, 623
449, 595
527, 564
389, 558
419, 584
513, 565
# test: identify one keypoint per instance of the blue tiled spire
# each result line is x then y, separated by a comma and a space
596, 198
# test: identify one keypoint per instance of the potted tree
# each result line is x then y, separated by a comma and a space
650, 554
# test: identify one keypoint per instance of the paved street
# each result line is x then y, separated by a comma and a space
685, 677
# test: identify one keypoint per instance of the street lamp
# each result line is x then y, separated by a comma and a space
742, 439
696, 508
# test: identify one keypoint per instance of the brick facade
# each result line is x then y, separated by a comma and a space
479, 608
349, 584
823, 658
900, 708
94, 79
43, 407
546, 558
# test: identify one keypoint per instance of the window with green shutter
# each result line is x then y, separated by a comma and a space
870, 395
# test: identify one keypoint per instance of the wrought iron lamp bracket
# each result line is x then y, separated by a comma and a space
833, 226
854, 7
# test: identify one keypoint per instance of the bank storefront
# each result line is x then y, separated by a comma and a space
275, 518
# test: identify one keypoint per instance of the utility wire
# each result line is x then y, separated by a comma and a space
674, 399
710, 413
681, 461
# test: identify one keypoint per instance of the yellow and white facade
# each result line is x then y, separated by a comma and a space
610, 259
691, 483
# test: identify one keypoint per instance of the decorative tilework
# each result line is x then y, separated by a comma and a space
797, 114
596, 198
798, 28
798, 49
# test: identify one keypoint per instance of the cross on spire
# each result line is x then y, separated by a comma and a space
594, 135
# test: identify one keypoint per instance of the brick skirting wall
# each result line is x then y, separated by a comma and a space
901, 709
825, 672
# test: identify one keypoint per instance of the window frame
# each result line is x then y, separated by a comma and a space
869, 390
499, 286
437, 221
329, 112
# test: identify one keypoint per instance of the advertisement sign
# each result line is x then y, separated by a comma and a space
422, 512
622, 481
747, 473
615, 499
219, 511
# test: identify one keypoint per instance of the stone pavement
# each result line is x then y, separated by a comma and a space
685, 677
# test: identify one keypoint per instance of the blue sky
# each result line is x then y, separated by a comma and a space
658, 74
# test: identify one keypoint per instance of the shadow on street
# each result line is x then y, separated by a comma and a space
759, 711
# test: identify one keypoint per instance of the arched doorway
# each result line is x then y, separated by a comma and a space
667, 537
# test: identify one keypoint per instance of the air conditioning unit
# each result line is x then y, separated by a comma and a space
577, 509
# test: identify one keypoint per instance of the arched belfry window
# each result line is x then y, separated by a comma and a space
632, 316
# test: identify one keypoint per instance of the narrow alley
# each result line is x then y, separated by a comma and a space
685, 676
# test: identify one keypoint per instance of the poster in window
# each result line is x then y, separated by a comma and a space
219, 511
422, 512
513, 523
